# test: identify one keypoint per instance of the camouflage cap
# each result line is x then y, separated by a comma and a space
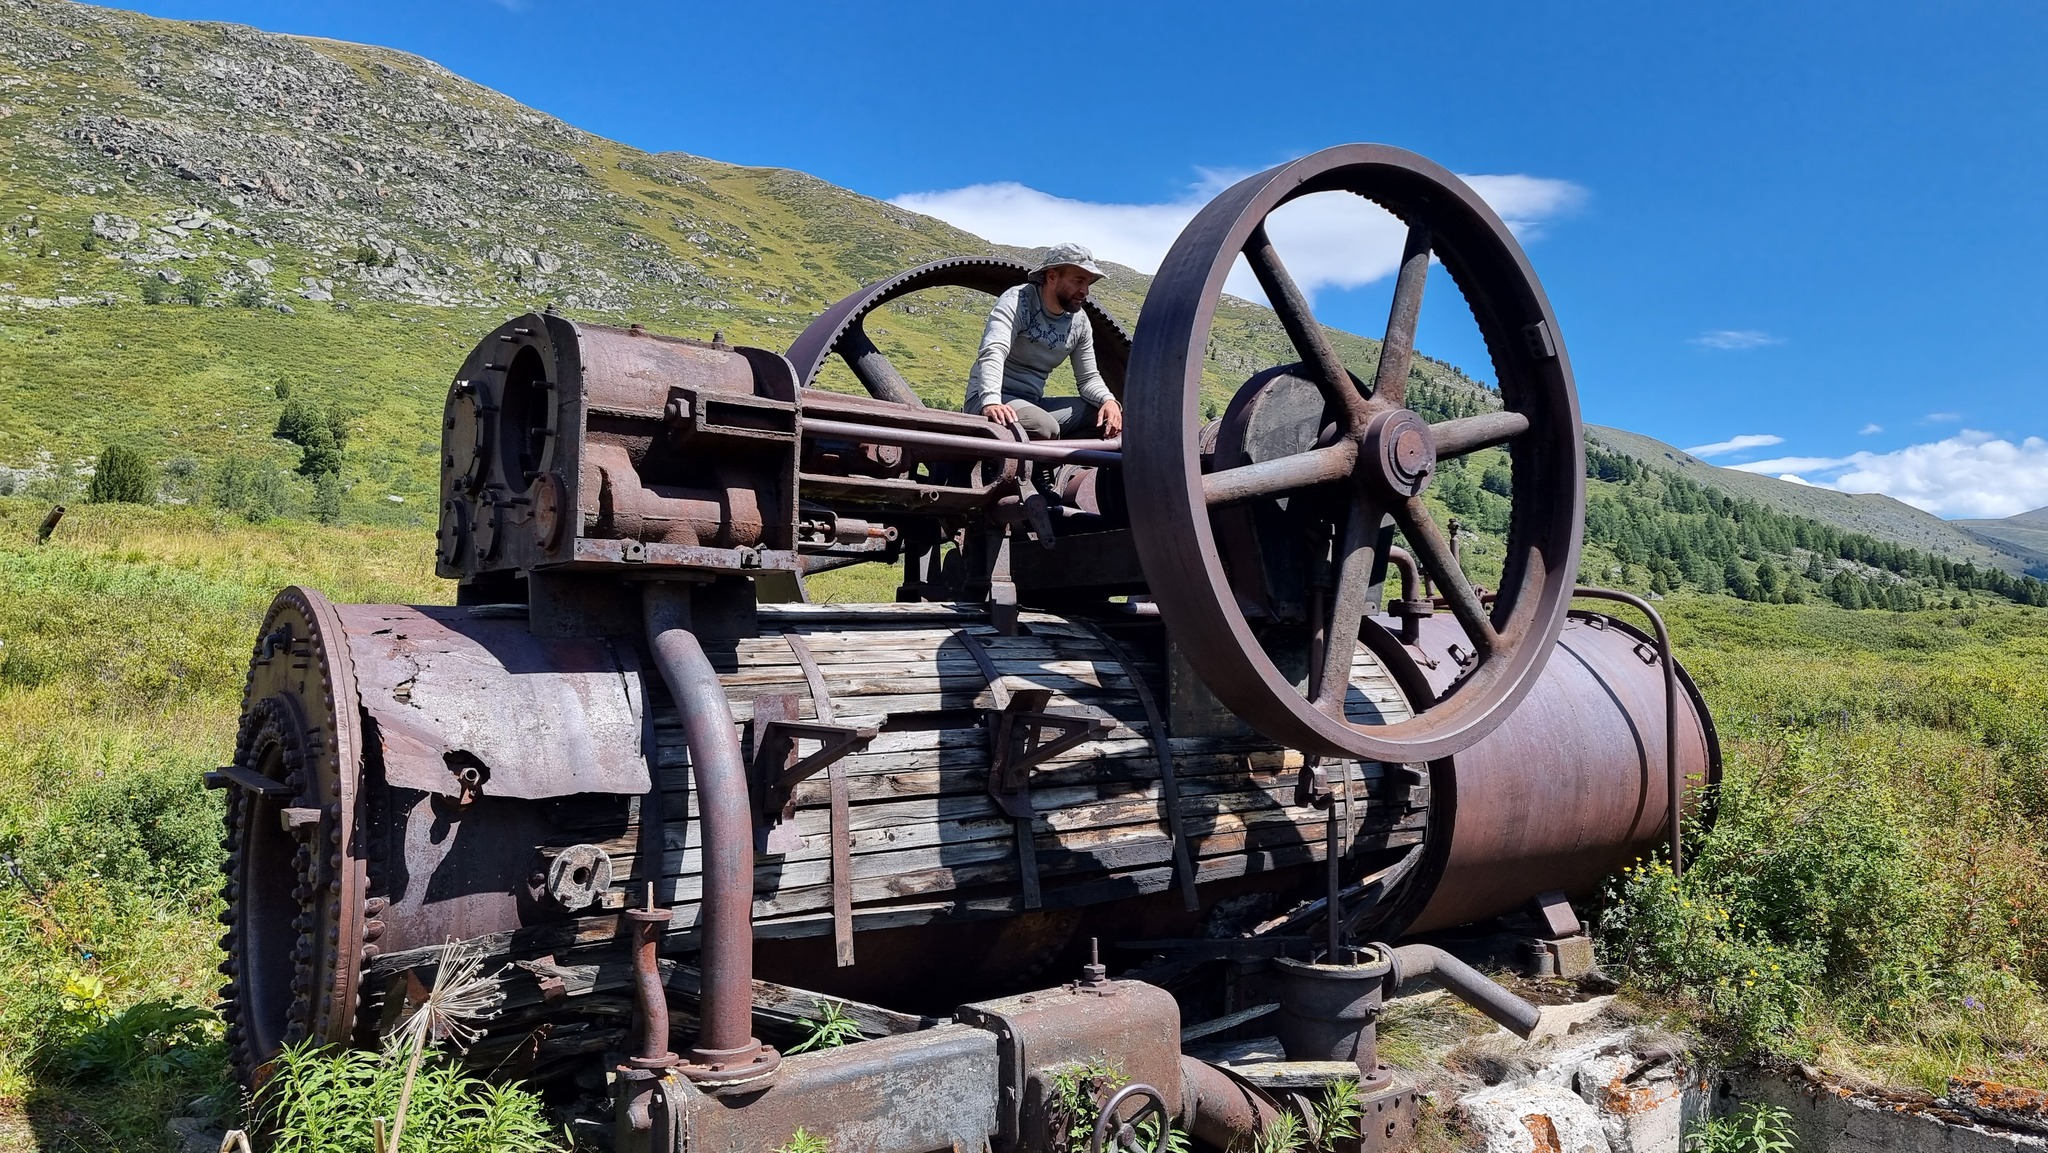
1074, 254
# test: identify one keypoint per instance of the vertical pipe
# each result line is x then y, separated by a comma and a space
1673, 785
725, 1040
1331, 918
648, 924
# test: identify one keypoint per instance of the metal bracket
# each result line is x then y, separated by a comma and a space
248, 779
778, 769
1017, 745
1021, 714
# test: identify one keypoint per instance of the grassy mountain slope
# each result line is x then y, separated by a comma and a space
194, 213
1868, 513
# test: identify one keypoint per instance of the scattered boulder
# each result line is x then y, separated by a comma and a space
108, 226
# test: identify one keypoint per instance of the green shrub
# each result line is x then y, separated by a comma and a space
320, 1101
321, 434
154, 832
123, 474
149, 1039
155, 291
1750, 1129
245, 486
193, 290
327, 494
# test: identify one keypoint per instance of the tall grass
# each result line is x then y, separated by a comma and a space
123, 645
1874, 892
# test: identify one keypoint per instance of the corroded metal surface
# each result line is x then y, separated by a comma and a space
449, 689
300, 921
1568, 789
569, 770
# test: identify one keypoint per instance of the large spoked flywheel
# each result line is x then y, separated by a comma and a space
1359, 472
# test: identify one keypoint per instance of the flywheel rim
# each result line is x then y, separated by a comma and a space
1176, 543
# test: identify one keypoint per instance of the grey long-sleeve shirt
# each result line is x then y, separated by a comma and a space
1023, 343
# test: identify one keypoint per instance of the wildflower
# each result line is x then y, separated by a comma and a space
1973, 1004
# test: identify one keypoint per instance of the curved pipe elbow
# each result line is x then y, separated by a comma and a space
1221, 1111
1467, 984
720, 777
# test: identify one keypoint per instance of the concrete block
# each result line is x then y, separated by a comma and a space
1531, 1116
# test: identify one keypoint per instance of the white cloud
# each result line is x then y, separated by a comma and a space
1795, 478
1970, 474
1327, 241
1869, 430
1735, 339
1778, 464
1736, 444
1941, 418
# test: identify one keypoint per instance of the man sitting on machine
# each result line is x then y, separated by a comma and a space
1031, 329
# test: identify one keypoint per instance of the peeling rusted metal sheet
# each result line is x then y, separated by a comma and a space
451, 689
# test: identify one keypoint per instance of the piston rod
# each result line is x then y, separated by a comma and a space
1091, 452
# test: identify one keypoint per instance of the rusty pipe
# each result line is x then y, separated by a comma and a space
1674, 785
1464, 982
1221, 1111
647, 924
725, 1039
1411, 574
1095, 452
1414, 603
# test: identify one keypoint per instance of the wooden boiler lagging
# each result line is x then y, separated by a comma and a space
466, 717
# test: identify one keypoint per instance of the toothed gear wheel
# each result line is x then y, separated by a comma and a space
830, 333
296, 880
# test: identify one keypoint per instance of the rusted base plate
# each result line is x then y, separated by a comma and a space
1386, 1121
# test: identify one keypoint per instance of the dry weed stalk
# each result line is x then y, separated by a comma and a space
462, 993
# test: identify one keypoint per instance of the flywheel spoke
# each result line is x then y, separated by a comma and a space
1427, 542
1390, 382
1280, 475
1472, 433
1303, 330
1357, 553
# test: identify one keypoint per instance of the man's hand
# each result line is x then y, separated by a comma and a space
1110, 419
999, 414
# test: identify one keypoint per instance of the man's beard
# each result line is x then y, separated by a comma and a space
1070, 299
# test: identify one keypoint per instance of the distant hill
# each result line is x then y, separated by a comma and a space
193, 214
1869, 513
2023, 533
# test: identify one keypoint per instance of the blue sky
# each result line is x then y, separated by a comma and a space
1815, 223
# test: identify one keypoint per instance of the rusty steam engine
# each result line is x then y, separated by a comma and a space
1219, 697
